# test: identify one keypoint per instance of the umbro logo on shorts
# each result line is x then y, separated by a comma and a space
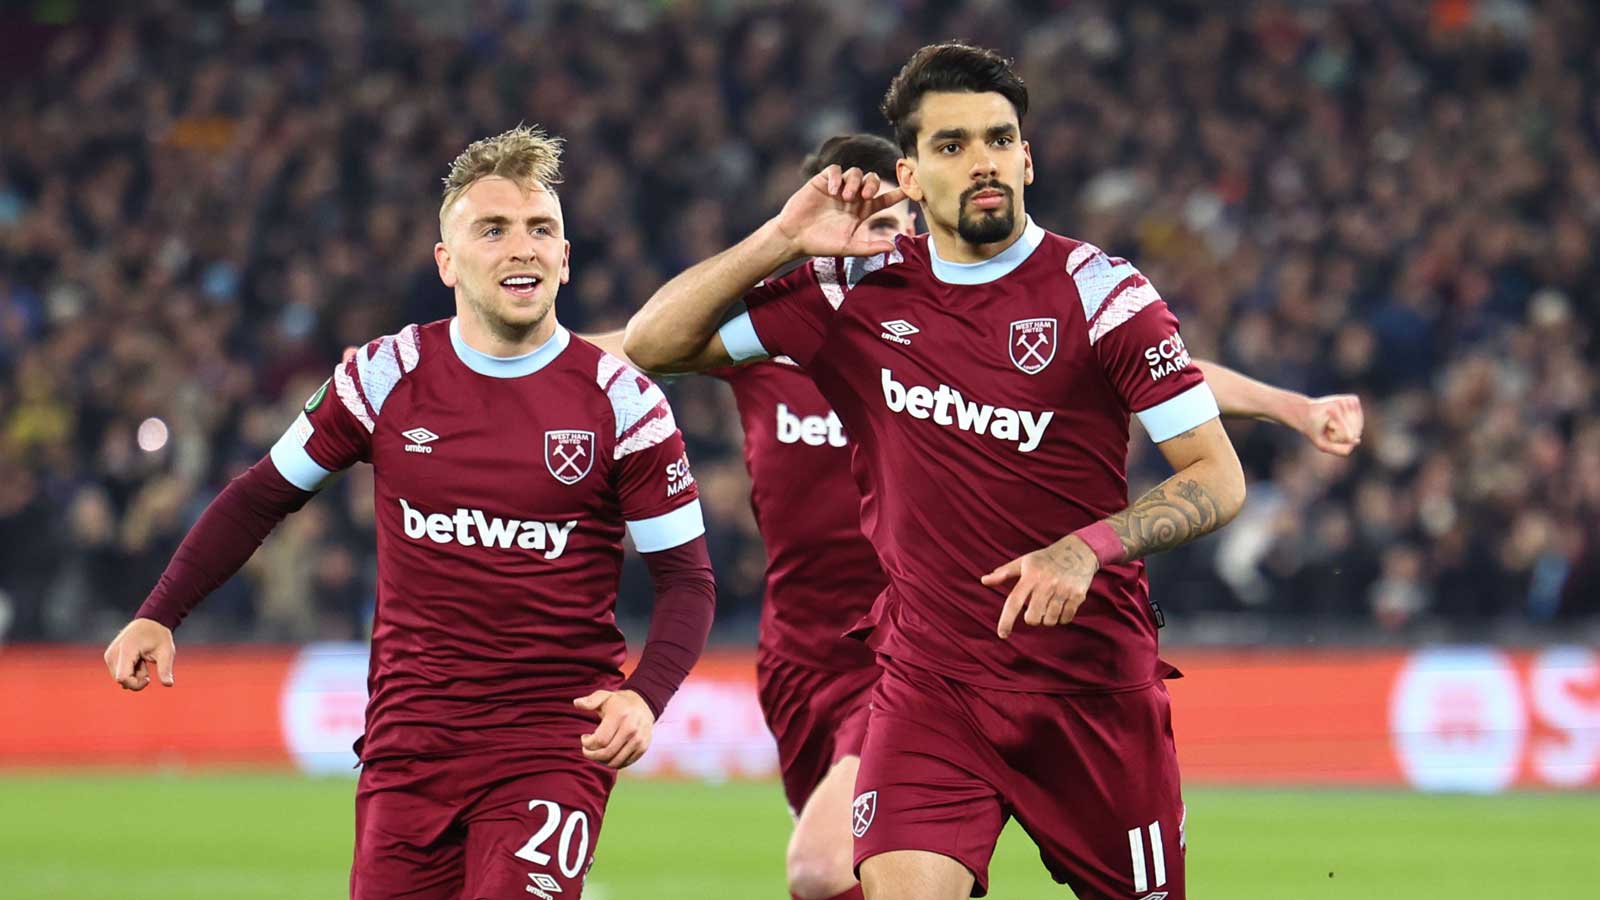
420, 438
543, 885
862, 812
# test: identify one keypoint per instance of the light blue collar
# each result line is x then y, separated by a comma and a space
993, 268
508, 366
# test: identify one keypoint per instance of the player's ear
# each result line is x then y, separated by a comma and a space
566, 261
905, 170
1027, 163
441, 257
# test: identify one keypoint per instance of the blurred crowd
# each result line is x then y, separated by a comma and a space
202, 203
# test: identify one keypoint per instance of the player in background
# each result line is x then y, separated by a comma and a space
822, 574
988, 374
509, 458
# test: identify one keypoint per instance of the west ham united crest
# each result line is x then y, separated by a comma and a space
863, 812
1033, 344
569, 455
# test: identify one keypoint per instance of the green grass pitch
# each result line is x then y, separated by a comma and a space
176, 837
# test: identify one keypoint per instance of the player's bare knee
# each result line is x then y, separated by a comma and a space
817, 871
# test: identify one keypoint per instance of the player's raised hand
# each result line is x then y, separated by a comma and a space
1047, 585
624, 731
143, 648
1334, 423
822, 218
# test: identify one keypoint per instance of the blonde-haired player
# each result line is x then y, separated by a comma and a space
510, 457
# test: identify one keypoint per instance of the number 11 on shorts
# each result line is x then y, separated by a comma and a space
1156, 870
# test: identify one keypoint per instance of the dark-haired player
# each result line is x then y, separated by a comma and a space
987, 375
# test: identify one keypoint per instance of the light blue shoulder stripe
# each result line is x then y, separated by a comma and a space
668, 530
1190, 409
292, 461
739, 338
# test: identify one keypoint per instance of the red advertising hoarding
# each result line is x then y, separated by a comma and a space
1450, 718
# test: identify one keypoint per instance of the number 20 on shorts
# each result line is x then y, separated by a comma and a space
576, 826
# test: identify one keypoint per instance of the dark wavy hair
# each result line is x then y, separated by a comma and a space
952, 67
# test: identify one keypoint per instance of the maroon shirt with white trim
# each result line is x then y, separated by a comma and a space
990, 405
822, 573
502, 489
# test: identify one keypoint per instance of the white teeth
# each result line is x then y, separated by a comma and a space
518, 281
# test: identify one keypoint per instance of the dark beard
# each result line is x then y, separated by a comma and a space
986, 227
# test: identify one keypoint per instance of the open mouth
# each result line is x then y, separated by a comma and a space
521, 285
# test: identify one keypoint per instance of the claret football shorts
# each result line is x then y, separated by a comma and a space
817, 716
497, 826
1092, 778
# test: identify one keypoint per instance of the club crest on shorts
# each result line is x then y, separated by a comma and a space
1033, 344
569, 455
862, 812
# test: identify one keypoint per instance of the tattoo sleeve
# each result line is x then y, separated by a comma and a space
1173, 513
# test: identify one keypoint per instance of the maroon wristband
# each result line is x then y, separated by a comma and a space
1103, 543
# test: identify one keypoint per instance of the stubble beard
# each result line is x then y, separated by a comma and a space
509, 330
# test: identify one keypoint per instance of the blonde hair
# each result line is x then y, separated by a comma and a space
525, 155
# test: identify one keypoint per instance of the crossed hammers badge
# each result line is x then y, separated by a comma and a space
1033, 344
569, 455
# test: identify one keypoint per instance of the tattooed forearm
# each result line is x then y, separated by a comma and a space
1170, 515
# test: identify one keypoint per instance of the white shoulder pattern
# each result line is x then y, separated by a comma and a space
1111, 289
838, 275
644, 419
379, 366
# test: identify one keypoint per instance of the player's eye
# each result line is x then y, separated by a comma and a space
542, 231
1002, 142
492, 231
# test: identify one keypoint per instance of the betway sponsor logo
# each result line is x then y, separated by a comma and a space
471, 528
945, 406
813, 431
1167, 357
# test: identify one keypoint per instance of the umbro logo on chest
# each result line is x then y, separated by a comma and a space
898, 331
419, 439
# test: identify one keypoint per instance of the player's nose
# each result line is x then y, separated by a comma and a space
984, 166
523, 248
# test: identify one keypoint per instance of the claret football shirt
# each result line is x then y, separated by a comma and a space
990, 405
503, 488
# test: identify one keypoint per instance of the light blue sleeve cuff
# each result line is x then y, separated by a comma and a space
739, 338
668, 530
1190, 409
293, 462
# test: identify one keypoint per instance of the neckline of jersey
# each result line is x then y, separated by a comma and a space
508, 366
995, 267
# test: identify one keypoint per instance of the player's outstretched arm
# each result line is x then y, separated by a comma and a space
676, 330
1333, 424
1205, 492
218, 545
